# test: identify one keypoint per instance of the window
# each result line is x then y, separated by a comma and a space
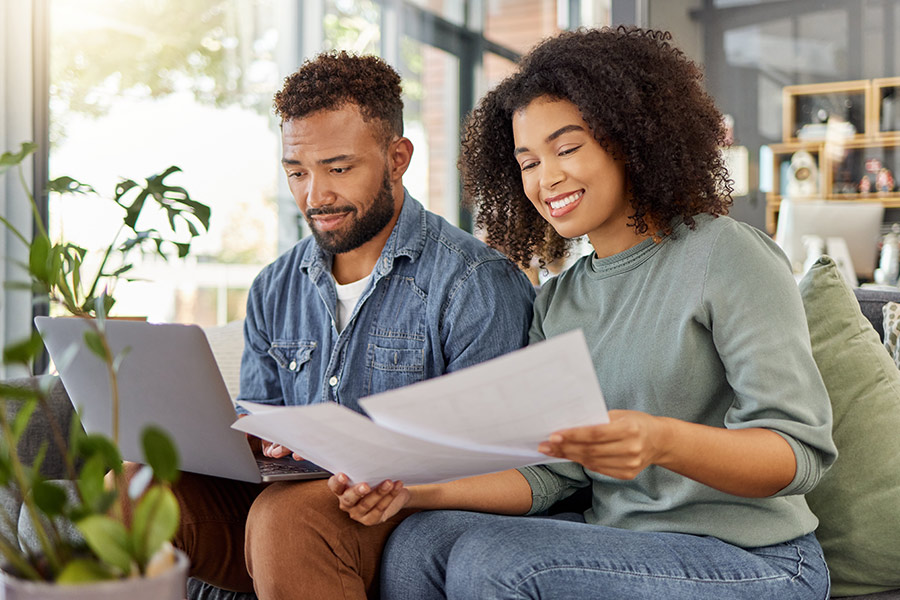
136, 87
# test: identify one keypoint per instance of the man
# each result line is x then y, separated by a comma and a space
382, 295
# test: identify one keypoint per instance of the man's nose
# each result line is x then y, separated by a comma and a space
318, 194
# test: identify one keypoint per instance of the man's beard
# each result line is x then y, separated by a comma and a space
363, 228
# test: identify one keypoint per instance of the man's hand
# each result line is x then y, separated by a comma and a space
367, 505
273, 450
269, 449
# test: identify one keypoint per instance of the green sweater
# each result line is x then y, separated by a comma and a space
706, 326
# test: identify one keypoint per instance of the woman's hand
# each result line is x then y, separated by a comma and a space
752, 462
622, 448
368, 505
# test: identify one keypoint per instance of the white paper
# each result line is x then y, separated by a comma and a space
487, 418
513, 401
341, 440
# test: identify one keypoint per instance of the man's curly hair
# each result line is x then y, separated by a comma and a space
333, 79
644, 102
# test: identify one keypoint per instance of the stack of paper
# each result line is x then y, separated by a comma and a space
487, 418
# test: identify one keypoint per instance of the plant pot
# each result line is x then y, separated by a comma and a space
170, 585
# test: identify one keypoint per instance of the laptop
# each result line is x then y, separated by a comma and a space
169, 378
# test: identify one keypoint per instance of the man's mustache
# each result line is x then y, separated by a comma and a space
329, 210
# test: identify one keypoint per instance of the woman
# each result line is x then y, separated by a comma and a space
719, 420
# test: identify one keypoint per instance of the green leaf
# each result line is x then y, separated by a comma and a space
123, 188
95, 444
102, 304
39, 457
39, 258
84, 570
20, 422
49, 497
15, 392
155, 522
117, 361
90, 480
134, 211
6, 469
18, 285
122, 269
67, 185
24, 352
108, 539
8, 159
161, 454
94, 343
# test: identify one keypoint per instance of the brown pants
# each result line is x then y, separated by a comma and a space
283, 540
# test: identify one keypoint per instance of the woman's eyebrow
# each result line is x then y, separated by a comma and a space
552, 136
562, 130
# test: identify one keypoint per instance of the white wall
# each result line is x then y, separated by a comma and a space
16, 126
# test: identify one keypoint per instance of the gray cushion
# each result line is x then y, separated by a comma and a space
870, 303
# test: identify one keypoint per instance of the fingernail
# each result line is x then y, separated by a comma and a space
555, 438
363, 489
386, 486
543, 447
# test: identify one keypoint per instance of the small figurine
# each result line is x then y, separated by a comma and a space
803, 176
865, 185
884, 181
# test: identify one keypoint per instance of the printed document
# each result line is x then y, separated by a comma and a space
486, 418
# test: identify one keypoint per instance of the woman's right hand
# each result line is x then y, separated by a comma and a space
368, 505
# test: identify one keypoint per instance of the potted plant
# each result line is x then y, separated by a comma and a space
121, 536
79, 286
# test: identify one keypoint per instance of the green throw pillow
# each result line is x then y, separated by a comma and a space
858, 499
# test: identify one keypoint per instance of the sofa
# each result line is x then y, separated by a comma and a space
869, 302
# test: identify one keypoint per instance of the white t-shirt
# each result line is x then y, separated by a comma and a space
347, 296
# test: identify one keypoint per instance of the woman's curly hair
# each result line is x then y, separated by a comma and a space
644, 102
333, 79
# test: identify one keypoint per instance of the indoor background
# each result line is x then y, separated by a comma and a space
114, 89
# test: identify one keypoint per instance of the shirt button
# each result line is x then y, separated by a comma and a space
293, 365
333, 381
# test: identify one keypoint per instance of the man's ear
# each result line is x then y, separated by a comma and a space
399, 154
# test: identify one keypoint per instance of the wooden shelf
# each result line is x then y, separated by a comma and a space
843, 156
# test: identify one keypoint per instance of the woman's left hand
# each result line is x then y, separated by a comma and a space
622, 448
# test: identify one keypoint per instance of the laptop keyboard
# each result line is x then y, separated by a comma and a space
286, 466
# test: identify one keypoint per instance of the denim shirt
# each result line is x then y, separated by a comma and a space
439, 300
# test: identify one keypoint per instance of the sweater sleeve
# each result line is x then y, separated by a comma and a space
759, 328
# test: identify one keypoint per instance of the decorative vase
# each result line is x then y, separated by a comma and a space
169, 585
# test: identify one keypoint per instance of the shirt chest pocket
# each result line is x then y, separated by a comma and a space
294, 362
391, 368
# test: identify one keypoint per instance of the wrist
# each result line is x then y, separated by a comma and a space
422, 496
666, 440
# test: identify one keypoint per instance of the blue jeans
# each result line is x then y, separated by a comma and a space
468, 556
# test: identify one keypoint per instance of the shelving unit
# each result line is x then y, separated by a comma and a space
852, 129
